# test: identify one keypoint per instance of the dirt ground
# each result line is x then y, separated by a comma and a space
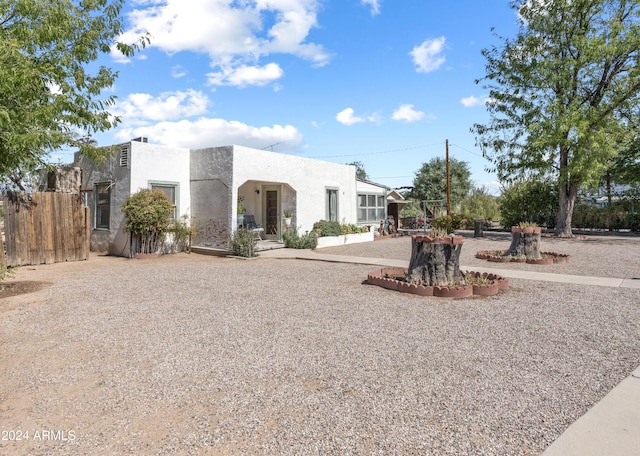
190, 354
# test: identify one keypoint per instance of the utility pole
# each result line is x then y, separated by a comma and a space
448, 180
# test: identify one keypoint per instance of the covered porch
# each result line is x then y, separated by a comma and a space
272, 205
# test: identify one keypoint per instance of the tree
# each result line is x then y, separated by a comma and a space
48, 96
430, 182
361, 173
560, 91
480, 204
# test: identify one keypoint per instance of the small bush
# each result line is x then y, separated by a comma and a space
411, 210
180, 234
293, 240
243, 243
147, 212
5, 272
327, 228
604, 218
450, 223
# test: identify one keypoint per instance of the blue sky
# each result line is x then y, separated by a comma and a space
383, 82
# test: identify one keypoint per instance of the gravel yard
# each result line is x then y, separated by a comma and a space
596, 256
189, 354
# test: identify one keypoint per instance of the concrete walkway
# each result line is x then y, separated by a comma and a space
510, 273
611, 427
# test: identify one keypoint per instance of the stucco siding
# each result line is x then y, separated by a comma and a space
308, 178
151, 163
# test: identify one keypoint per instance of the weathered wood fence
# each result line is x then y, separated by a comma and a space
45, 227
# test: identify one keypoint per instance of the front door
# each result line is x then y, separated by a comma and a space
271, 214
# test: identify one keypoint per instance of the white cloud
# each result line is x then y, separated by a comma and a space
233, 34
374, 4
210, 132
428, 56
169, 105
407, 113
245, 75
347, 117
177, 71
472, 101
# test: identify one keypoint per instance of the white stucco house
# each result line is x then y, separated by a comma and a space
204, 185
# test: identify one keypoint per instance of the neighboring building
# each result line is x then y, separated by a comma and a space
204, 185
376, 202
372, 202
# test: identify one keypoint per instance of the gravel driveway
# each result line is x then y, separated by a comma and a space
189, 354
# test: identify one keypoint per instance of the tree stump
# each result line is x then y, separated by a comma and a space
435, 261
525, 243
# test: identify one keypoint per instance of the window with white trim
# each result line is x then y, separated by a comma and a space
371, 208
171, 190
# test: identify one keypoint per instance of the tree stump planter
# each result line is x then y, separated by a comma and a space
435, 261
525, 242
525, 247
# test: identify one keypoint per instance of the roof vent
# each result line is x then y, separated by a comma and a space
124, 156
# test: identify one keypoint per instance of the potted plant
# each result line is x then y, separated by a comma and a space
240, 210
288, 213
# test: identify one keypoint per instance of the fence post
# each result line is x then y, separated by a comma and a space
87, 232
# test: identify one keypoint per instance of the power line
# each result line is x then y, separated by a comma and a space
379, 152
466, 150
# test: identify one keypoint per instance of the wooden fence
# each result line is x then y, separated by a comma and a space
45, 227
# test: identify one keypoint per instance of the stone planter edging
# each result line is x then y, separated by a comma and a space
389, 278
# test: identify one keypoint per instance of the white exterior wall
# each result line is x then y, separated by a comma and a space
367, 187
308, 178
153, 163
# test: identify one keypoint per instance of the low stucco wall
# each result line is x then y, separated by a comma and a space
332, 241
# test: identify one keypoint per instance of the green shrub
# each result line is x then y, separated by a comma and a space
327, 228
181, 233
411, 210
5, 272
450, 223
293, 240
634, 222
147, 212
243, 243
352, 228
602, 218
534, 200
480, 205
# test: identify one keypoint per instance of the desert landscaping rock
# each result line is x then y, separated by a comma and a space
190, 354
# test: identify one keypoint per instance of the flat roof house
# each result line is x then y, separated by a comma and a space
205, 184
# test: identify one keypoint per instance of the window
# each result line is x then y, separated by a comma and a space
103, 205
171, 190
332, 205
371, 208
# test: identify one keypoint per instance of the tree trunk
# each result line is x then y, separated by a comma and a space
435, 262
524, 245
567, 197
